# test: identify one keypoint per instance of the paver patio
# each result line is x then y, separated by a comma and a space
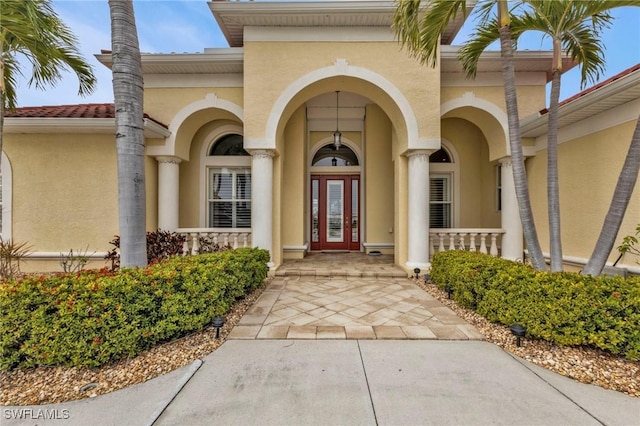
348, 296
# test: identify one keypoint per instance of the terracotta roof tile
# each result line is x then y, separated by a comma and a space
70, 111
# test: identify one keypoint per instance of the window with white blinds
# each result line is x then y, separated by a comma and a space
440, 205
229, 197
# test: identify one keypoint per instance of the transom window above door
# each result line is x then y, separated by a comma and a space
328, 155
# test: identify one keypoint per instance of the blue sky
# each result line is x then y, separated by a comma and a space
189, 26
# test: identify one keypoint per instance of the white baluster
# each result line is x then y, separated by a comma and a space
245, 240
185, 245
494, 245
462, 246
431, 251
441, 242
215, 238
472, 241
452, 240
195, 247
483, 243
225, 238
234, 236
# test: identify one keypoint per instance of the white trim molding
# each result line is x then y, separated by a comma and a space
469, 99
211, 100
342, 68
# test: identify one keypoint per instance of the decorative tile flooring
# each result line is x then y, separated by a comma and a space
381, 303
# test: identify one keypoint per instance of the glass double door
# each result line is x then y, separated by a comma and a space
335, 212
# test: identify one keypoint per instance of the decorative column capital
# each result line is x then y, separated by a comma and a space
425, 153
505, 161
168, 159
263, 154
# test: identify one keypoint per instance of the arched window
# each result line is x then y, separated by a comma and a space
440, 156
228, 145
329, 156
228, 184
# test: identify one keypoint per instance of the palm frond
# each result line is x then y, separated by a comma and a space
419, 28
33, 29
479, 41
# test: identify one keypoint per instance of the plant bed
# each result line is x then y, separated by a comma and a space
555, 297
48, 385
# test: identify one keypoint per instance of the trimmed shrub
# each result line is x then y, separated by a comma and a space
94, 317
564, 308
160, 245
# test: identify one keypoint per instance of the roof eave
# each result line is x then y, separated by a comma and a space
152, 129
231, 55
243, 10
541, 59
537, 124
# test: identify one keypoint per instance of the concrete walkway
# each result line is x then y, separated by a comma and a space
349, 382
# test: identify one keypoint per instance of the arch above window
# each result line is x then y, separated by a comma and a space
228, 145
329, 156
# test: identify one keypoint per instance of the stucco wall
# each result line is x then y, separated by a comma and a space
379, 179
588, 169
531, 98
65, 192
294, 181
476, 175
282, 65
164, 103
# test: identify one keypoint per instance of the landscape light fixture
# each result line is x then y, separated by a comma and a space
217, 323
337, 136
449, 291
427, 277
518, 331
417, 272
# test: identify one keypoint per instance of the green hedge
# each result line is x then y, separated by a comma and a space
94, 317
564, 308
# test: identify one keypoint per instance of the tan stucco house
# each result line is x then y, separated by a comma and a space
315, 131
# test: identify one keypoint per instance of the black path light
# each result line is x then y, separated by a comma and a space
417, 272
217, 323
518, 331
449, 291
427, 277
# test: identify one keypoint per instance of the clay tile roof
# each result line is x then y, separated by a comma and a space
69, 111
595, 87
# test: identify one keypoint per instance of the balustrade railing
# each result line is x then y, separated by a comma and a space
484, 240
198, 240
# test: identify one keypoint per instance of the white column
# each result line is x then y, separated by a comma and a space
168, 192
262, 200
512, 240
418, 193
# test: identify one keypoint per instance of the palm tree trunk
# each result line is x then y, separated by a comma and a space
2, 89
617, 208
553, 192
130, 143
517, 157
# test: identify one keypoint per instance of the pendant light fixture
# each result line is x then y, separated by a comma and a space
337, 136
